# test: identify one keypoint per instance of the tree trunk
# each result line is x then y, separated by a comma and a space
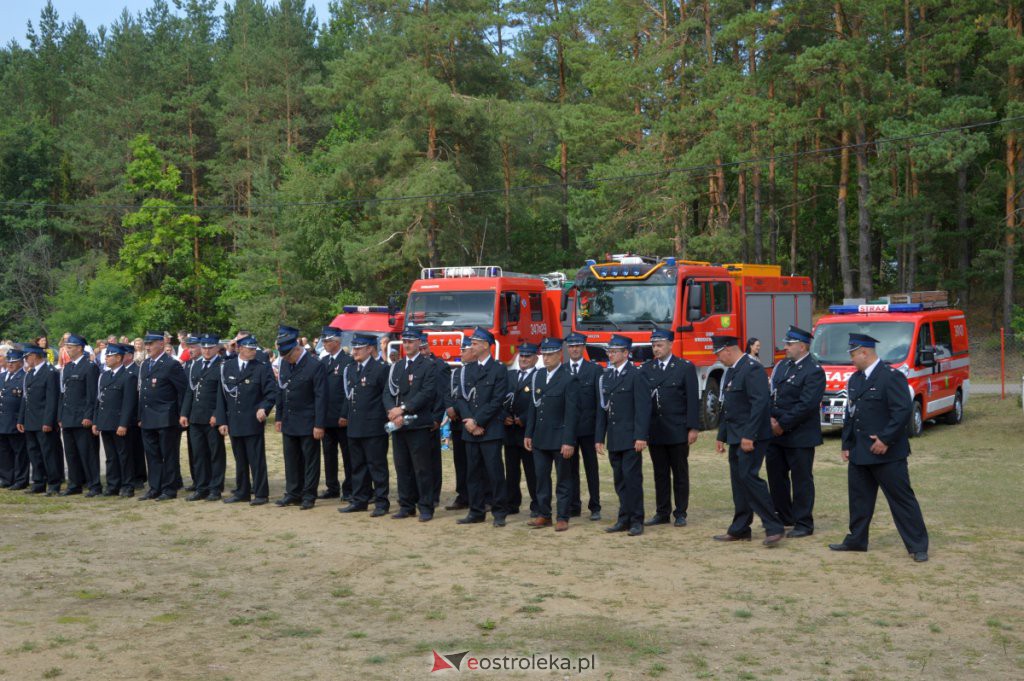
794, 212
563, 169
741, 195
506, 170
1013, 22
843, 193
758, 216
863, 217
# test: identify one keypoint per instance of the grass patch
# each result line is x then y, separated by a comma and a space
357, 634
531, 609
742, 614
487, 625
52, 673
341, 592
86, 595
166, 618
74, 619
298, 632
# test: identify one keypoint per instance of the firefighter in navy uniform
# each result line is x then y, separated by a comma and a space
410, 403
746, 428
482, 390
136, 452
246, 397
551, 433
624, 420
587, 374
78, 380
191, 346
876, 445
675, 425
454, 378
365, 382
335, 434
161, 390
798, 385
116, 405
14, 469
38, 421
198, 415
441, 383
517, 404
301, 418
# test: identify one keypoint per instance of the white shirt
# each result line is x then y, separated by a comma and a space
551, 373
574, 367
867, 372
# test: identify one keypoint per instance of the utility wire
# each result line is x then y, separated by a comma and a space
583, 183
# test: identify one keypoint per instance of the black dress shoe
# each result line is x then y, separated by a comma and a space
845, 547
469, 520
920, 556
258, 501
351, 508
456, 506
15, 488
195, 496
730, 537
127, 493
402, 513
191, 488
235, 499
328, 495
596, 515
680, 522
91, 494
285, 501
426, 517
657, 520
378, 512
796, 534
307, 504
214, 496
636, 530
772, 539
148, 495
499, 522
110, 492
70, 492
617, 527
166, 497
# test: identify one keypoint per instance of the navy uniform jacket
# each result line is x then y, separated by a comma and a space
133, 371
242, 394
10, 401
879, 405
796, 402
451, 393
442, 385
77, 392
161, 389
587, 378
554, 409
364, 400
417, 391
201, 390
628, 416
517, 404
676, 404
116, 400
39, 402
335, 368
746, 403
486, 386
302, 396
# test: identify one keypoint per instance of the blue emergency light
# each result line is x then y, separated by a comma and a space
875, 308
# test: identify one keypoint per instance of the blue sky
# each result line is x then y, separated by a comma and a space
14, 14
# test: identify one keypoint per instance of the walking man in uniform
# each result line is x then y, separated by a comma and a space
876, 445
675, 424
746, 428
335, 434
301, 418
798, 385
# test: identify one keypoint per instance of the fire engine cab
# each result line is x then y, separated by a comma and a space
918, 334
449, 302
379, 320
633, 295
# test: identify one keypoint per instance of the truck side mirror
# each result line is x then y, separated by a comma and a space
694, 297
513, 307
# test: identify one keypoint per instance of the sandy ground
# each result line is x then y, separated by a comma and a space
97, 588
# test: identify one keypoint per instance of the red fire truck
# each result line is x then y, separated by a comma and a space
632, 295
918, 334
449, 302
378, 320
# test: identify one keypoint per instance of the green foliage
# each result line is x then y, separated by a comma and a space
94, 299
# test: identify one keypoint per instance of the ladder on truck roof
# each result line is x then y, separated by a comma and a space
552, 280
928, 300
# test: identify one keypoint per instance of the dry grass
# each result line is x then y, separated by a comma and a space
177, 590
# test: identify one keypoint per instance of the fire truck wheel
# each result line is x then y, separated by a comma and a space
957, 414
916, 425
710, 406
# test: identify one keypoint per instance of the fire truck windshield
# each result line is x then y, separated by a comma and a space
617, 303
831, 342
450, 308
